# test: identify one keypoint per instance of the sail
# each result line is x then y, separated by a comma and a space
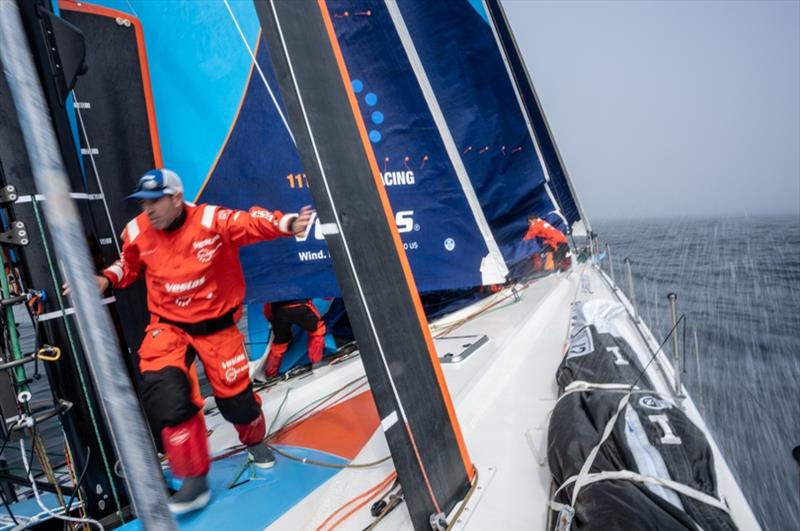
222, 127
458, 50
408, 135
560, 183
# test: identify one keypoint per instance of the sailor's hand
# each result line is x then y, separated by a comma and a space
300, 223
102, 285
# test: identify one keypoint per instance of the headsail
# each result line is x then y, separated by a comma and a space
457, 48
560, 182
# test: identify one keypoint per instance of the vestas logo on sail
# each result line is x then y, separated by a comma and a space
404, 219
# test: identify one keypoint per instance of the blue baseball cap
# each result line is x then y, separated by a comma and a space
155, 184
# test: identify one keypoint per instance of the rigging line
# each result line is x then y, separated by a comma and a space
96, 173
78, 484
350, 259
327, 464
318, 406
135, 14
292, 419
278, 413
381, 492
39, 500
661, 346
454, 520
47, 470
260, 72
370, 493
76, 361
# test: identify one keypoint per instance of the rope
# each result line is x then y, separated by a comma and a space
47, 469
326, 464
369, 494
260, 72
96, 174
29, 475
76, 361
628, 475
76, 481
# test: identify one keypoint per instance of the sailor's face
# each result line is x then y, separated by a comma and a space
162, 211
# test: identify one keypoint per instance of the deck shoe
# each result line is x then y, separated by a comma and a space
261, 455
193, 495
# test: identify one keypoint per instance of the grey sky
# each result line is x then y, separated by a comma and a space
670, 108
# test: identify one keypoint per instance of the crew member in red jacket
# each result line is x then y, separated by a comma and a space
282, 315
553, 241
189, 257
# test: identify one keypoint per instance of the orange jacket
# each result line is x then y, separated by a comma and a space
548, 233
194, 273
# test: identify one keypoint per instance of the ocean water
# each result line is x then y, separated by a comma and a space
738, 282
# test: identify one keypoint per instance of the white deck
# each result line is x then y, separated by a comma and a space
503, 394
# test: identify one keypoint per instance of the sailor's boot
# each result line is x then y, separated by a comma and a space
274, 359
316, 343
261, 455
194, 494
186, 446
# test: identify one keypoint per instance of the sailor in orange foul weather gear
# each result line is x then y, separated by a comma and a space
189, 257
553, 241
282, 315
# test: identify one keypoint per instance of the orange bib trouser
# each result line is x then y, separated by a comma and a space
171, 391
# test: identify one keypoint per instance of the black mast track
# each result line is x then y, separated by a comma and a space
84, 424
380, 295
563, 189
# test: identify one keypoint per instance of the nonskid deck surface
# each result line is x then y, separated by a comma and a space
503, 394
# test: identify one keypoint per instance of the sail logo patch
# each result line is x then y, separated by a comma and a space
580, 344
654, 403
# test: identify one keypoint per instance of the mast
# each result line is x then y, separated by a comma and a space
400, 360
117, 399
543, 135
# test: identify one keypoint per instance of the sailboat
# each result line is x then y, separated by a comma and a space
543, 401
